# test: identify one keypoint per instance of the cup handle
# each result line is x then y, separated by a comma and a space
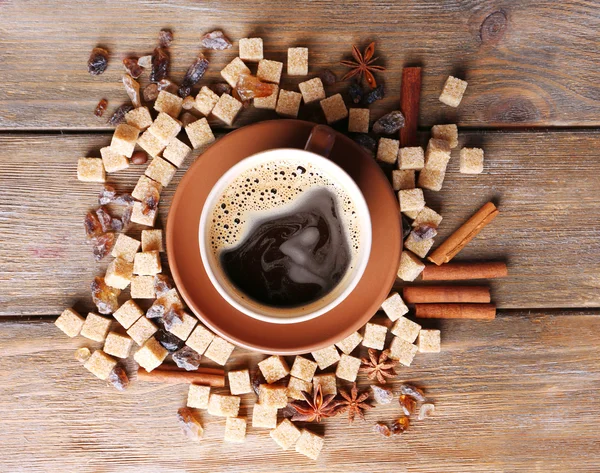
321, 140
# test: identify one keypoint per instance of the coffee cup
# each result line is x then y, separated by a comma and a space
285, 234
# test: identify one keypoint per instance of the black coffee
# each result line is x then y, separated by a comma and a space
294, 258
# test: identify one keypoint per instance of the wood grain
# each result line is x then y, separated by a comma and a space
517, 394
545, 185
527, 63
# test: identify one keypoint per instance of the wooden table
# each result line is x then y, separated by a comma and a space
519, 393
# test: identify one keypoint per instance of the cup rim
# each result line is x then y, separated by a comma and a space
337, 173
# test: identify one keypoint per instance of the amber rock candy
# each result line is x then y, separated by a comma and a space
328, 77
249, 87
412, 391
374, 95
82, 354
192, 428
426, 410
119, 115
382, 429
215, 40
166, 84
162, 284
367, 142
118, 378
101, 107
132, 87
188, 103
382, 395
105, 297
160, 65
104, 218
145, 61
187, 359
407, 404
169, 341
221, 88
389, 123
98, 61
132, 67
193, 75
355, 92
424, 232
103, 245
150, 92
165, 38
400, 425
92, 225
172, 317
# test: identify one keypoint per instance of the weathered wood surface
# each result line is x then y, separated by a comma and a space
546, 186
517, 394
527, 63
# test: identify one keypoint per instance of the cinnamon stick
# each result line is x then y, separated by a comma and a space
435, 294
455, 311
464, 271
410, 95
459, 239
171, 375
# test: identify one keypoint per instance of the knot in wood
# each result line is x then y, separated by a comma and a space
493, 27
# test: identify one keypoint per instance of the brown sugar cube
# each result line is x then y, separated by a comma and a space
251, 49
269, 102
348, 368
150, 144
310, 444
288, 103
151, 355
312, 90
147, 263
232, 71
403, 179
124, 138
239, 382
152, 240
411, 199
394, 307
269, 71
70, 322
296, 386
125, 247
272, 396
303, 368
141, 188
453, 91
223, 406
297, 64
326, 356
411, 158
219, 350
206, 101
100, 364
235, 430
164, 128
327, 381
406, 329
387, 150
112, 161
161, 171
168, 103
358, 121
176, 152
264, 416
471, 161
118, 345
427, 216
142, 330
429, 341
334, 108
447, 133
139, 118
91, 170
118, 273
200, 339
348, 344
437, 154
402, 351
142, 287
199, 132
273, 368
374, 336
227, 109
418, 247
184, 329
128, 313
286, 434
410, 266
431, 179
198, 396
95, 327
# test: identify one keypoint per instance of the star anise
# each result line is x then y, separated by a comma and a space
353, 403
379, 367
315, 407
362, 64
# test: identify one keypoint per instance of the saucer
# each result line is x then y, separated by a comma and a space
203, 299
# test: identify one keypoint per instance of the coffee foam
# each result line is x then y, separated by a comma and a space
270, 189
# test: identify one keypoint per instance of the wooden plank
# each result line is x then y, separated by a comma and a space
527, 63
545, 185
515, 394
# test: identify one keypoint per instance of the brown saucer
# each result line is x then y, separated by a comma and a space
203, 299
